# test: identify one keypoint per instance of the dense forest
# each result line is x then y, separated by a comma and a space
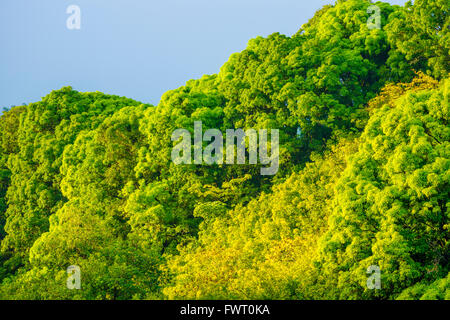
86, 179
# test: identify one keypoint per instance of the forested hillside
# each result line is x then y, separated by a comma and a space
87, 179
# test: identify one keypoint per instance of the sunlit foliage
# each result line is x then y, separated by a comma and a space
87, 179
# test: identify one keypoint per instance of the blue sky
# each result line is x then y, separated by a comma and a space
133, 48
